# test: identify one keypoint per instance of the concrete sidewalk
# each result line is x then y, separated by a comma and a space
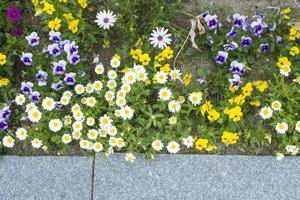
182, 177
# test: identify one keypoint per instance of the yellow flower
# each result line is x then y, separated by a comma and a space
213, 115
247, 89
168, 53
283, 62
297, 79
211, 147
261, 85
83, 3
234, 113
4, 81
294, 51
35, 2
206, 107
187, 79
117, 56
145, 59
229, 137
159, 57
293, 34
239, 100
68, 16
139, 42
55, 24
2, 59
73, 25
201, 144
255, 103
48, 8
166, 68
136, 53
286, 10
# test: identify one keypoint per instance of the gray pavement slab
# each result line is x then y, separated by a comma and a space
197, 177
39, 178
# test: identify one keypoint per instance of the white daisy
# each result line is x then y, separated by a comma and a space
297, 127
105, 121
292, 149
65, 100
126, 112
21, 133
112, 131
111, 84
266, 112
76, 135
55, 125
174, 106
92, 134
20, 99
121, 94
282, 127
172, 120
68, 94
98, 86
130, 157
173, 147
77, 126
102, 133
31, 106
109, 95
8, 141
276, 105
105, 19
91, 101
115, 62
99, 69
79, 89
34, 115
125, 88
78, 115
36, 143
121, 102
75, 108
188, 141
67, 120
279, 156
160, 38
195, 98
157, 145
112, 141
120, 143
66, 138
165, 94
89, 88
48, 103
84, 144
90, 121
97, 147
129, 78
175, 74
161, 77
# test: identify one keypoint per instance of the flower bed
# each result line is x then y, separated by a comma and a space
140, 101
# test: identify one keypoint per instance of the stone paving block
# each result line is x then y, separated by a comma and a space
39, 178
197, 177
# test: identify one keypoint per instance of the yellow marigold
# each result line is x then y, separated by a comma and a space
213, 115
294, 51
2, 59
83, 3
187, 79
73, 25
207, 106
234, 113
136, 53
4, 82
48, 8
145, 59
201, 144
55, 24
261, 85
166, 68
229, 137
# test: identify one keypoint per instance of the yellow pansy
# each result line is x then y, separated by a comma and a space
2, 59
55, 24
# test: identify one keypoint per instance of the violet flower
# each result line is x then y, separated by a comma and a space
35, 97
70, 79
73, 59
41, 77
54, 49
33, 39
246, 41
231, 46
54, 36
264, 47
13, 14
26, 58
57, 86
237, 68
212, 21
26, 87
59, 67
221, 57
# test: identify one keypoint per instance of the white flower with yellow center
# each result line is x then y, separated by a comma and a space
188, 141
99, 69
92, 134
117, 113
112, 131
78, 115
126, 112
79, 89
121, 94
36, 143
173, 147
91, 101
172, 120
98, 86
121, 102
175, 74
84, 144
174, 106
8, 141
48, 103
76, 135
77, 126
125, 88
102, 133
34, 115
111, 74
66, 138
266, 112
89, 88
115, 62
109, 95
129, 78
68, 94
75, 108
112, 141
97, 147
195, 98
120, 143
141, 75
161, 77
20, 99
67, 120
130, 157
31, 106
90, 121
105, 121
297, 127
21, 133
276, 105
157, 145
165, 94
55, 125
65, 100
292, 149
282, 127
111, 84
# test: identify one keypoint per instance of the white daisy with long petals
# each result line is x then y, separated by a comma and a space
105, 19
160, 38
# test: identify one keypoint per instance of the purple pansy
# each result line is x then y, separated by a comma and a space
33, 39
3, 125
257, 27
5, 113
70, 79
237, 68
264, 47
232, 33
54, 49
71, 48
26, 58
210, 40
231, 46
212, 21
272, 26
240, 21
63, 43
57, 86
246, 41
13, 14
221, 57
235, 81
59, 67
26, 87
35, 97
73, 59
54, 36
41, 77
